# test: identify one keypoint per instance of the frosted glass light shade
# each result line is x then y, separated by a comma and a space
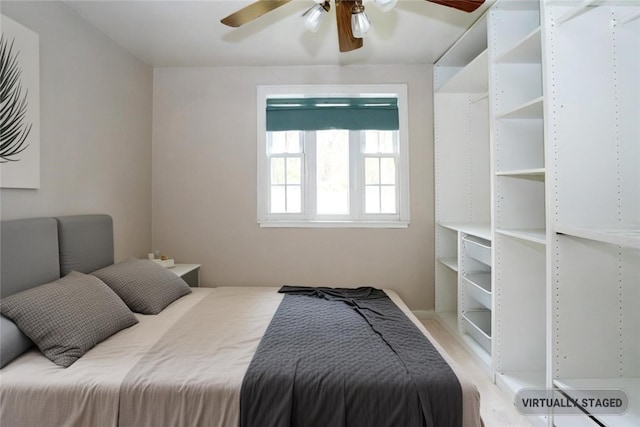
314, 17
385, 5
360, 24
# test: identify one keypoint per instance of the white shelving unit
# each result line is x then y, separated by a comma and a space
594, 176
463, 194
519, 198
464, 297
550, 179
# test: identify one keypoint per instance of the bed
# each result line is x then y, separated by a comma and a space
187, 364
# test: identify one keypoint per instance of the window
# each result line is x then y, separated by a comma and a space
332, 160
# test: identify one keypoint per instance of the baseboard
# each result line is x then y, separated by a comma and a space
424, 314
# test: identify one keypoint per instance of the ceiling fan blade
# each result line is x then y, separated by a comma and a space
346, 41
465, 5
251, 12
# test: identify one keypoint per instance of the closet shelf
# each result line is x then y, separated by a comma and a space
452, 263
576, 11
468, 46
529, 110
526, 51
482, 230
536, 174
479, 98
530, 235
630, 385
513, 381
472, 78
628, 236
626, 19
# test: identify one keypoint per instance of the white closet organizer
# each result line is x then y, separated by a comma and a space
593, 131
463, 188
519, 185
554, 191
464, 297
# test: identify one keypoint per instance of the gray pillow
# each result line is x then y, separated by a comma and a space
68, 317
12, 341
145, 286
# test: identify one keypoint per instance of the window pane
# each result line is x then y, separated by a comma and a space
371, 141
388, 200
372, 199
332, 177
277, 170
371, 170
293, 142
380, 141
387, 141
387, 170
277, 199
285, 142
278, 142
294, 170
294, 199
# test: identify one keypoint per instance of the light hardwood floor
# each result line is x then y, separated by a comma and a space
496, 409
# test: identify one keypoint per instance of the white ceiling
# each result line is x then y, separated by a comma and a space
186, 33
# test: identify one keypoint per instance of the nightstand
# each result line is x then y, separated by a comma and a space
190, 273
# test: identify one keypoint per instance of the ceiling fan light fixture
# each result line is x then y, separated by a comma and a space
314, 16
360, 23
385, 5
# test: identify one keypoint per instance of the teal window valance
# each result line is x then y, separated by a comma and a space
332, 113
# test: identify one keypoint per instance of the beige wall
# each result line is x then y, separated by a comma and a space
95, 114
204, 187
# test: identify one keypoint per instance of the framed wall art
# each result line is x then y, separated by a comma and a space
20, 106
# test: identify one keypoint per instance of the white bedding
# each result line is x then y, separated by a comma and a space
190, 382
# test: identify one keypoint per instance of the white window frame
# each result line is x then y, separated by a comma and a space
308, 218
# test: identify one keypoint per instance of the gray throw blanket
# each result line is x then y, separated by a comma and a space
347, 358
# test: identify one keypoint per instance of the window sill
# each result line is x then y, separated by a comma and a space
334, 224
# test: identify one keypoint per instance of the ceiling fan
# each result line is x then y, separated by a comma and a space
352, 21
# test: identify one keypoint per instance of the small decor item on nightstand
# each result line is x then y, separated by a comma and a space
166, 262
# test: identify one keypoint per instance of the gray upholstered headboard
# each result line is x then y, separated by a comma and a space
86, 242
36, 251
28, 258
28, 254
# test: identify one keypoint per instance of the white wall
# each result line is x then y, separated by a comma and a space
95, 114
204, 187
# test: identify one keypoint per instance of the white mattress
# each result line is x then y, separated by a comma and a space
188, 381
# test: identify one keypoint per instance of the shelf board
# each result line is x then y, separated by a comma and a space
629, 18
481, 280
451, 262
467, 47
526, 51
479, 97
576, 11
473, 78
537, 235
512, 381
630, 385
529, 110
536, 174
628, 236
482, 230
